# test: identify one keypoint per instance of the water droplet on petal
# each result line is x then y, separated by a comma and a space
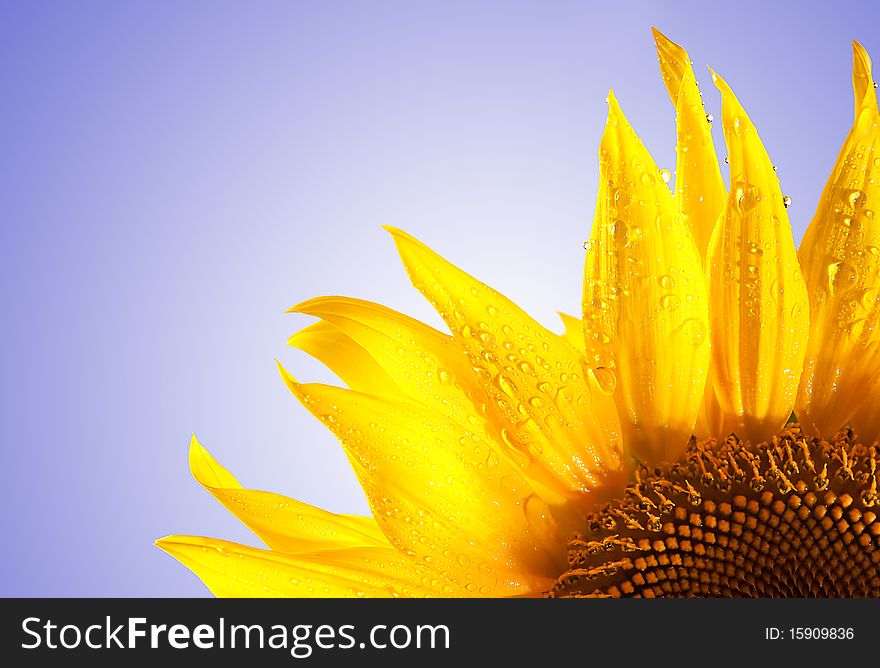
606, 378
694, 330
666, 282
786, 201
670, 302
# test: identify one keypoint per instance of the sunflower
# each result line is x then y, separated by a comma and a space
649, 450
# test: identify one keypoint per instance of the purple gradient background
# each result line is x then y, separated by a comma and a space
176, 174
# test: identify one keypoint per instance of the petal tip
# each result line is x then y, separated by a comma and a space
666, 46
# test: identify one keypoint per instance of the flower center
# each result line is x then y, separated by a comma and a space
794, 517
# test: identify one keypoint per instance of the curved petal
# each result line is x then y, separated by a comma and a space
344, 357
863, 82
574, 330
238, 571
440, 493
699, 188
284, 524
645, 304
758, 298
425, 364
555, 416
840, 254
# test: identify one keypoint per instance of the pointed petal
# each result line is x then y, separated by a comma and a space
344, 357
425, 364
238, 571
758, 298
440, 493
699, 188
574, 330
840, 254
863, 83
645, 309
282, 523
555, 417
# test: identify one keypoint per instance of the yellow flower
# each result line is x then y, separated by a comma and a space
650, 449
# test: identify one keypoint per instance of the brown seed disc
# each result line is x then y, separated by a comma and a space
797, 516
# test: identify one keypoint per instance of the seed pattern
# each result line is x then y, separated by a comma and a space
794, 517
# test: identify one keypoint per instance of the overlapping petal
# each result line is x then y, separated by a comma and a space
344, 357
757, 295
699, 188
440, 492
840, 255
645, 309
554, 413
233, 570
574, 330
284, 524
423, 364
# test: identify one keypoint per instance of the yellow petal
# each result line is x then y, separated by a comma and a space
425, 364
354, 365
710, 419
238, 571
863, 83
699, 188
645, 309
758, 298
555, 417
440, 492
284, 524
840, 255
574, 330
866, 420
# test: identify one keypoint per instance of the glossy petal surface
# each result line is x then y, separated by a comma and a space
645, 309
758, 298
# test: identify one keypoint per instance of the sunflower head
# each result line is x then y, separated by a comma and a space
648, 450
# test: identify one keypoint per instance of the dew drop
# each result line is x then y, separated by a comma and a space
694, 330
506, 385
857, 200
666, 282
606, 378
666, 175
747, 198
710, 118
841, 276
670, 302
786, 201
